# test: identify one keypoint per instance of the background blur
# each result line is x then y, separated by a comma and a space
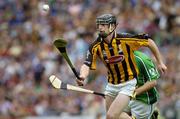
28, 57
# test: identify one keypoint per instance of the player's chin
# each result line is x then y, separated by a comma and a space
101, 32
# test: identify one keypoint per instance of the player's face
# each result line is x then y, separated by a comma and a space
103, 28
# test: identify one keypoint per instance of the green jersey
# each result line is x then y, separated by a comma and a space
147, 72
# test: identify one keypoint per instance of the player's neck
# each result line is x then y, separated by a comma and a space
109, 38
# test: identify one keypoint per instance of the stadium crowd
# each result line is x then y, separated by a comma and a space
28, 57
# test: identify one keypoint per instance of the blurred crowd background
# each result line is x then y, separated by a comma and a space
28, 57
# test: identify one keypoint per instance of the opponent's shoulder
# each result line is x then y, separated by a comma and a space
133, 36
141, 55
143, 59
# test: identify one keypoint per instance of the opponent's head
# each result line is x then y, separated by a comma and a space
106, 24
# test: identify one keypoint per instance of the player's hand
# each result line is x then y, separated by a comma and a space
80, 81
162, 68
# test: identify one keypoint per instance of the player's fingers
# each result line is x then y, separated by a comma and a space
79, 82
162, 71
165, 69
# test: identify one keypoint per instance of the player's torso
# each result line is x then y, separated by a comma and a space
119, 59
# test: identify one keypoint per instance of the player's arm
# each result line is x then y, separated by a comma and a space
153, 47
89, 63
84, 72
147, 86
145, 40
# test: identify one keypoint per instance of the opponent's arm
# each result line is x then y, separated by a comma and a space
153, 47
147, 86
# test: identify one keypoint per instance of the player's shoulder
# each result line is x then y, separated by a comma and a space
95, 43
133, 36
124, 35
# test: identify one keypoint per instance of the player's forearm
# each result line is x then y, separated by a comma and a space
147, 86
153, 47
84, 71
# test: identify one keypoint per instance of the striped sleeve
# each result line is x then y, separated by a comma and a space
91, 56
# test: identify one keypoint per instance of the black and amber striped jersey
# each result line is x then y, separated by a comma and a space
117, 56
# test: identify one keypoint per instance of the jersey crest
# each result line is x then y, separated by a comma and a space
115, 59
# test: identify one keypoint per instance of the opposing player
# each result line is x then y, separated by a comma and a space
143, 104
116, 52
